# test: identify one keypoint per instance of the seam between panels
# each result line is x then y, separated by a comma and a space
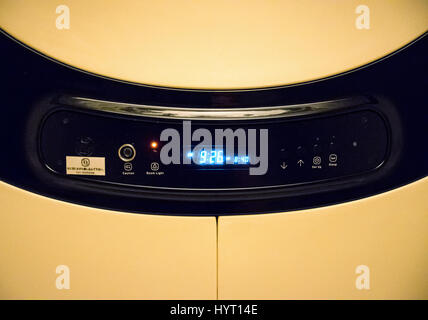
216, 238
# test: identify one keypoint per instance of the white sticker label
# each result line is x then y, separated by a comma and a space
87, 166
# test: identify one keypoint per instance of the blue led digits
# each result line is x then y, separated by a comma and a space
216, 157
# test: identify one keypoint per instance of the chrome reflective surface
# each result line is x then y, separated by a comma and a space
211, 113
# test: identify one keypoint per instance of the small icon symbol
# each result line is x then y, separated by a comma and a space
332, 157
127, 166
300, 162
85, 162
284, 165
154, 166
316, 160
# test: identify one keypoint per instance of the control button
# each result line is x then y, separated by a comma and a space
127, 166
316, 160
154, 166
283, 165
127, 152
300, 162
284, 153
332, 158
84, 146
317, 148
300, 151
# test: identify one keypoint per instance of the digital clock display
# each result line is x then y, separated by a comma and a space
217, 157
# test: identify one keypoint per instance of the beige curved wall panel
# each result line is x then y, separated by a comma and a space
217, 44
110, 255
314, 254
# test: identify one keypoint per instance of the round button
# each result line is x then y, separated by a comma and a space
84, 146
127, 166
300, 151
332, 157
283, 153
317, 148
316, 160
127, 152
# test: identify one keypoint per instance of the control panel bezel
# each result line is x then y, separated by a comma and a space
285, 155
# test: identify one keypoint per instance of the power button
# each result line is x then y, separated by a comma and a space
127, 152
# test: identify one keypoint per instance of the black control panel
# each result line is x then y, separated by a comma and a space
126, 150
366, 147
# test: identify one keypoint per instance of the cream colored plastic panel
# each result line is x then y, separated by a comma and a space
109, 255
217, 44
314, 254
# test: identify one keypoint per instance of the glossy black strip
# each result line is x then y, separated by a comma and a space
398, 84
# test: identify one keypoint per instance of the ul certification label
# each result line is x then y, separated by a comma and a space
87, 166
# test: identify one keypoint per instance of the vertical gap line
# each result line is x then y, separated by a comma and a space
216, 219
